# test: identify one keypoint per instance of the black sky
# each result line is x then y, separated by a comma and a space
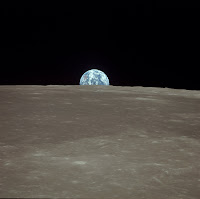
140, 44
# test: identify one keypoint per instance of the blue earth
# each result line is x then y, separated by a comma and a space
94, 77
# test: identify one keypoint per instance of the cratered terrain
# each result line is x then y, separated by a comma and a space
99, 142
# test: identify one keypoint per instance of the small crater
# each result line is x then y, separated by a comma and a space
75, 182
154, 142
80, 162
38, 154
67, 103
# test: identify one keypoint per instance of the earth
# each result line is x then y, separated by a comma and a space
94, 77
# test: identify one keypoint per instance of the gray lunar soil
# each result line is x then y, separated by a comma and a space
99, 142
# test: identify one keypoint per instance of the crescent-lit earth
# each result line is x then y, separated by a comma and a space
94, 77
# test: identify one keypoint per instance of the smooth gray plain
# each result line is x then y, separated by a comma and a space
99, 142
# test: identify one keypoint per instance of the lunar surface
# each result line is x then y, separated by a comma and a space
99, 142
